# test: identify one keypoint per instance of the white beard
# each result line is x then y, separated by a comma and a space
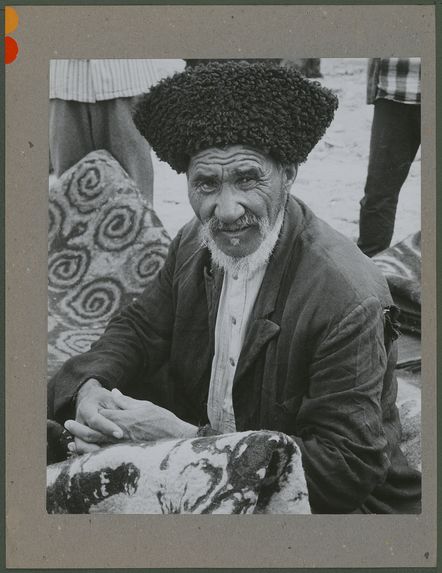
249, 263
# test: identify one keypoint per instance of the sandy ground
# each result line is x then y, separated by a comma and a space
332, 180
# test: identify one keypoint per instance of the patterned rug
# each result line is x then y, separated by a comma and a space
105, 245
240, 473
409, 405
401, 266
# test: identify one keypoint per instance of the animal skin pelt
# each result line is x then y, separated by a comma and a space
239, 473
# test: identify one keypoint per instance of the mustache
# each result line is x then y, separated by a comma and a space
214, 225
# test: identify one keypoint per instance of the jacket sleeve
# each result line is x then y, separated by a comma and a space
339, 424
136, 339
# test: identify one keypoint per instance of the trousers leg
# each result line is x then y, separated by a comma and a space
395, 139
70, 137
115, 131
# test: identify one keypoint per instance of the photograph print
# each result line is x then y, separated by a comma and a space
234, 286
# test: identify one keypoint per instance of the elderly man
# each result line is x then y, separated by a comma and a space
265, 316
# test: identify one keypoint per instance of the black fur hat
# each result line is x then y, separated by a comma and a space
268, 107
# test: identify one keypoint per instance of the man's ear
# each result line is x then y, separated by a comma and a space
290, 173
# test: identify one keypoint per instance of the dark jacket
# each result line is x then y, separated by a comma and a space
317, 361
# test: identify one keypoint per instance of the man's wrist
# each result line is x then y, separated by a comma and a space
85, 388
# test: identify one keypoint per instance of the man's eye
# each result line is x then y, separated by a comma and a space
206, 186
247, 181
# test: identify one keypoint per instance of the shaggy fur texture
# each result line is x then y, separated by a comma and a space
219, 104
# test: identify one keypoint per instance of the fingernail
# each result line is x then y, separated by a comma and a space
116, 391
118, 434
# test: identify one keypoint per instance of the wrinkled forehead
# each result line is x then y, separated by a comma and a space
235, 157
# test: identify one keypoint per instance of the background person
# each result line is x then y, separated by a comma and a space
394, 88
91, 108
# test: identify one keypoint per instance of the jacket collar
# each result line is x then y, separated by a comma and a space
264, 324
293, 225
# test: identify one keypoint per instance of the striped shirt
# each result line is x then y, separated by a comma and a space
90, 81
400, 80
238, 295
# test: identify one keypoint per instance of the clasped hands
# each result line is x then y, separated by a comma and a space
106, 417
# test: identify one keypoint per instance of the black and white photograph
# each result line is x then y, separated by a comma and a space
234, 286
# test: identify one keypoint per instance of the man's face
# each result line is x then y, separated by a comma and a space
239, 192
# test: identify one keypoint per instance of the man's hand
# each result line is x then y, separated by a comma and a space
90, 428
143, 421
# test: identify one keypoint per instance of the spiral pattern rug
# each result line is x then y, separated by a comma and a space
239, 473
104, 246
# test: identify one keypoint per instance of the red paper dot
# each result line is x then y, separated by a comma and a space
11, 49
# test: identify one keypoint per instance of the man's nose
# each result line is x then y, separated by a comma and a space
228, 209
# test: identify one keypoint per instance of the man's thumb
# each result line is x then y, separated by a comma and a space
121, 400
